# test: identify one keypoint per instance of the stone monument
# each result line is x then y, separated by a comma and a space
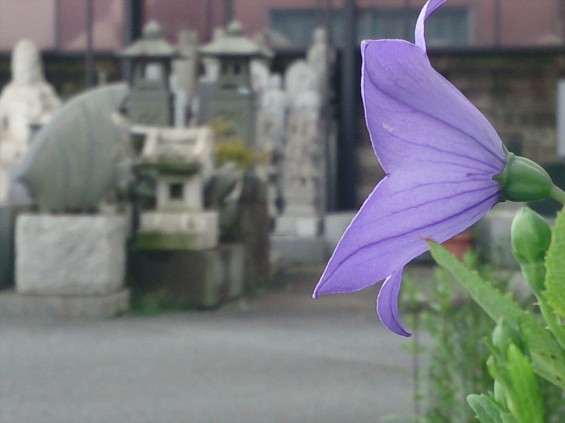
303, 170
150, 100
26, 103
70, 258
299, 229
183, 80
233, 98
181, 160
321, 58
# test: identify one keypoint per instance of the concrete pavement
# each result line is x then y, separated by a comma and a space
278, 356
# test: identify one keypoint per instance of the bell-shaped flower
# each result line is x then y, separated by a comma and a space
440, 155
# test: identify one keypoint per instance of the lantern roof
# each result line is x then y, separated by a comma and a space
234, 44
152, 44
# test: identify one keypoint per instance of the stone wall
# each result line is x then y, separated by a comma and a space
516, 90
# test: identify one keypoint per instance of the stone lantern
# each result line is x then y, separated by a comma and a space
233, 99
150, 101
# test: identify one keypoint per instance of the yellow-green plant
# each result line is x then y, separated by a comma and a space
232, 148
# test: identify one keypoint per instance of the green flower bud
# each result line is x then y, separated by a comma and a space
523, 180
504, 334
530, 236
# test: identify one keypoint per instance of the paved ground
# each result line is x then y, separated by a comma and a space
277, 357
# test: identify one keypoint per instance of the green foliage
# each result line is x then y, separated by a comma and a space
458, 356
527, 361
548, 360
487, 410
555, 268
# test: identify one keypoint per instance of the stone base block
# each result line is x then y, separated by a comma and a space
190, 278
299, 226
70, 254
178, 230
89, 306
299, 250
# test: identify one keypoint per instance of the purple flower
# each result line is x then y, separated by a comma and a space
440, 155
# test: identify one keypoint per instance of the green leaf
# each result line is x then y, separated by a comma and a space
525, 400
491, 300
555, 268
548, 359
486, 408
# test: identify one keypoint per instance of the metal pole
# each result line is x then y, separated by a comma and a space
57, 24
133, 20
228, 12
89, 53
348, 106
209, 20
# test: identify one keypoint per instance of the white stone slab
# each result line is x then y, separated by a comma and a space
70, 254
300, 226
202, 228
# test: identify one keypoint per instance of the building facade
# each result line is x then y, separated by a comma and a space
61, 25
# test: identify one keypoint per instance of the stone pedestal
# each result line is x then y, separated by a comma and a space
71, 265
300, 226
194, 230
190, 278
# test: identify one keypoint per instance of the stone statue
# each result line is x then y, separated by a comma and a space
212, 64
303, 158
300, 77
321, 57
271, 121
271, 117
26, 103
260, 75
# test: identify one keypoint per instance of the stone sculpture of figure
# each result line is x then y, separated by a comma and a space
260, 75
300, 77
303, 160
272, 113
27, 101
320, 56
212, 64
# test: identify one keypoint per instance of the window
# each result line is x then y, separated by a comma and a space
448, 26
176, 190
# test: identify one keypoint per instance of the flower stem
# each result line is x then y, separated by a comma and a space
558, 194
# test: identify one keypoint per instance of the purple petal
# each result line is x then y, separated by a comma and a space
426, 11
436, 201
387, 304
412, 112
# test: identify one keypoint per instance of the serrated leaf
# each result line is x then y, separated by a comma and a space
548, 359
555, 268
491, 300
